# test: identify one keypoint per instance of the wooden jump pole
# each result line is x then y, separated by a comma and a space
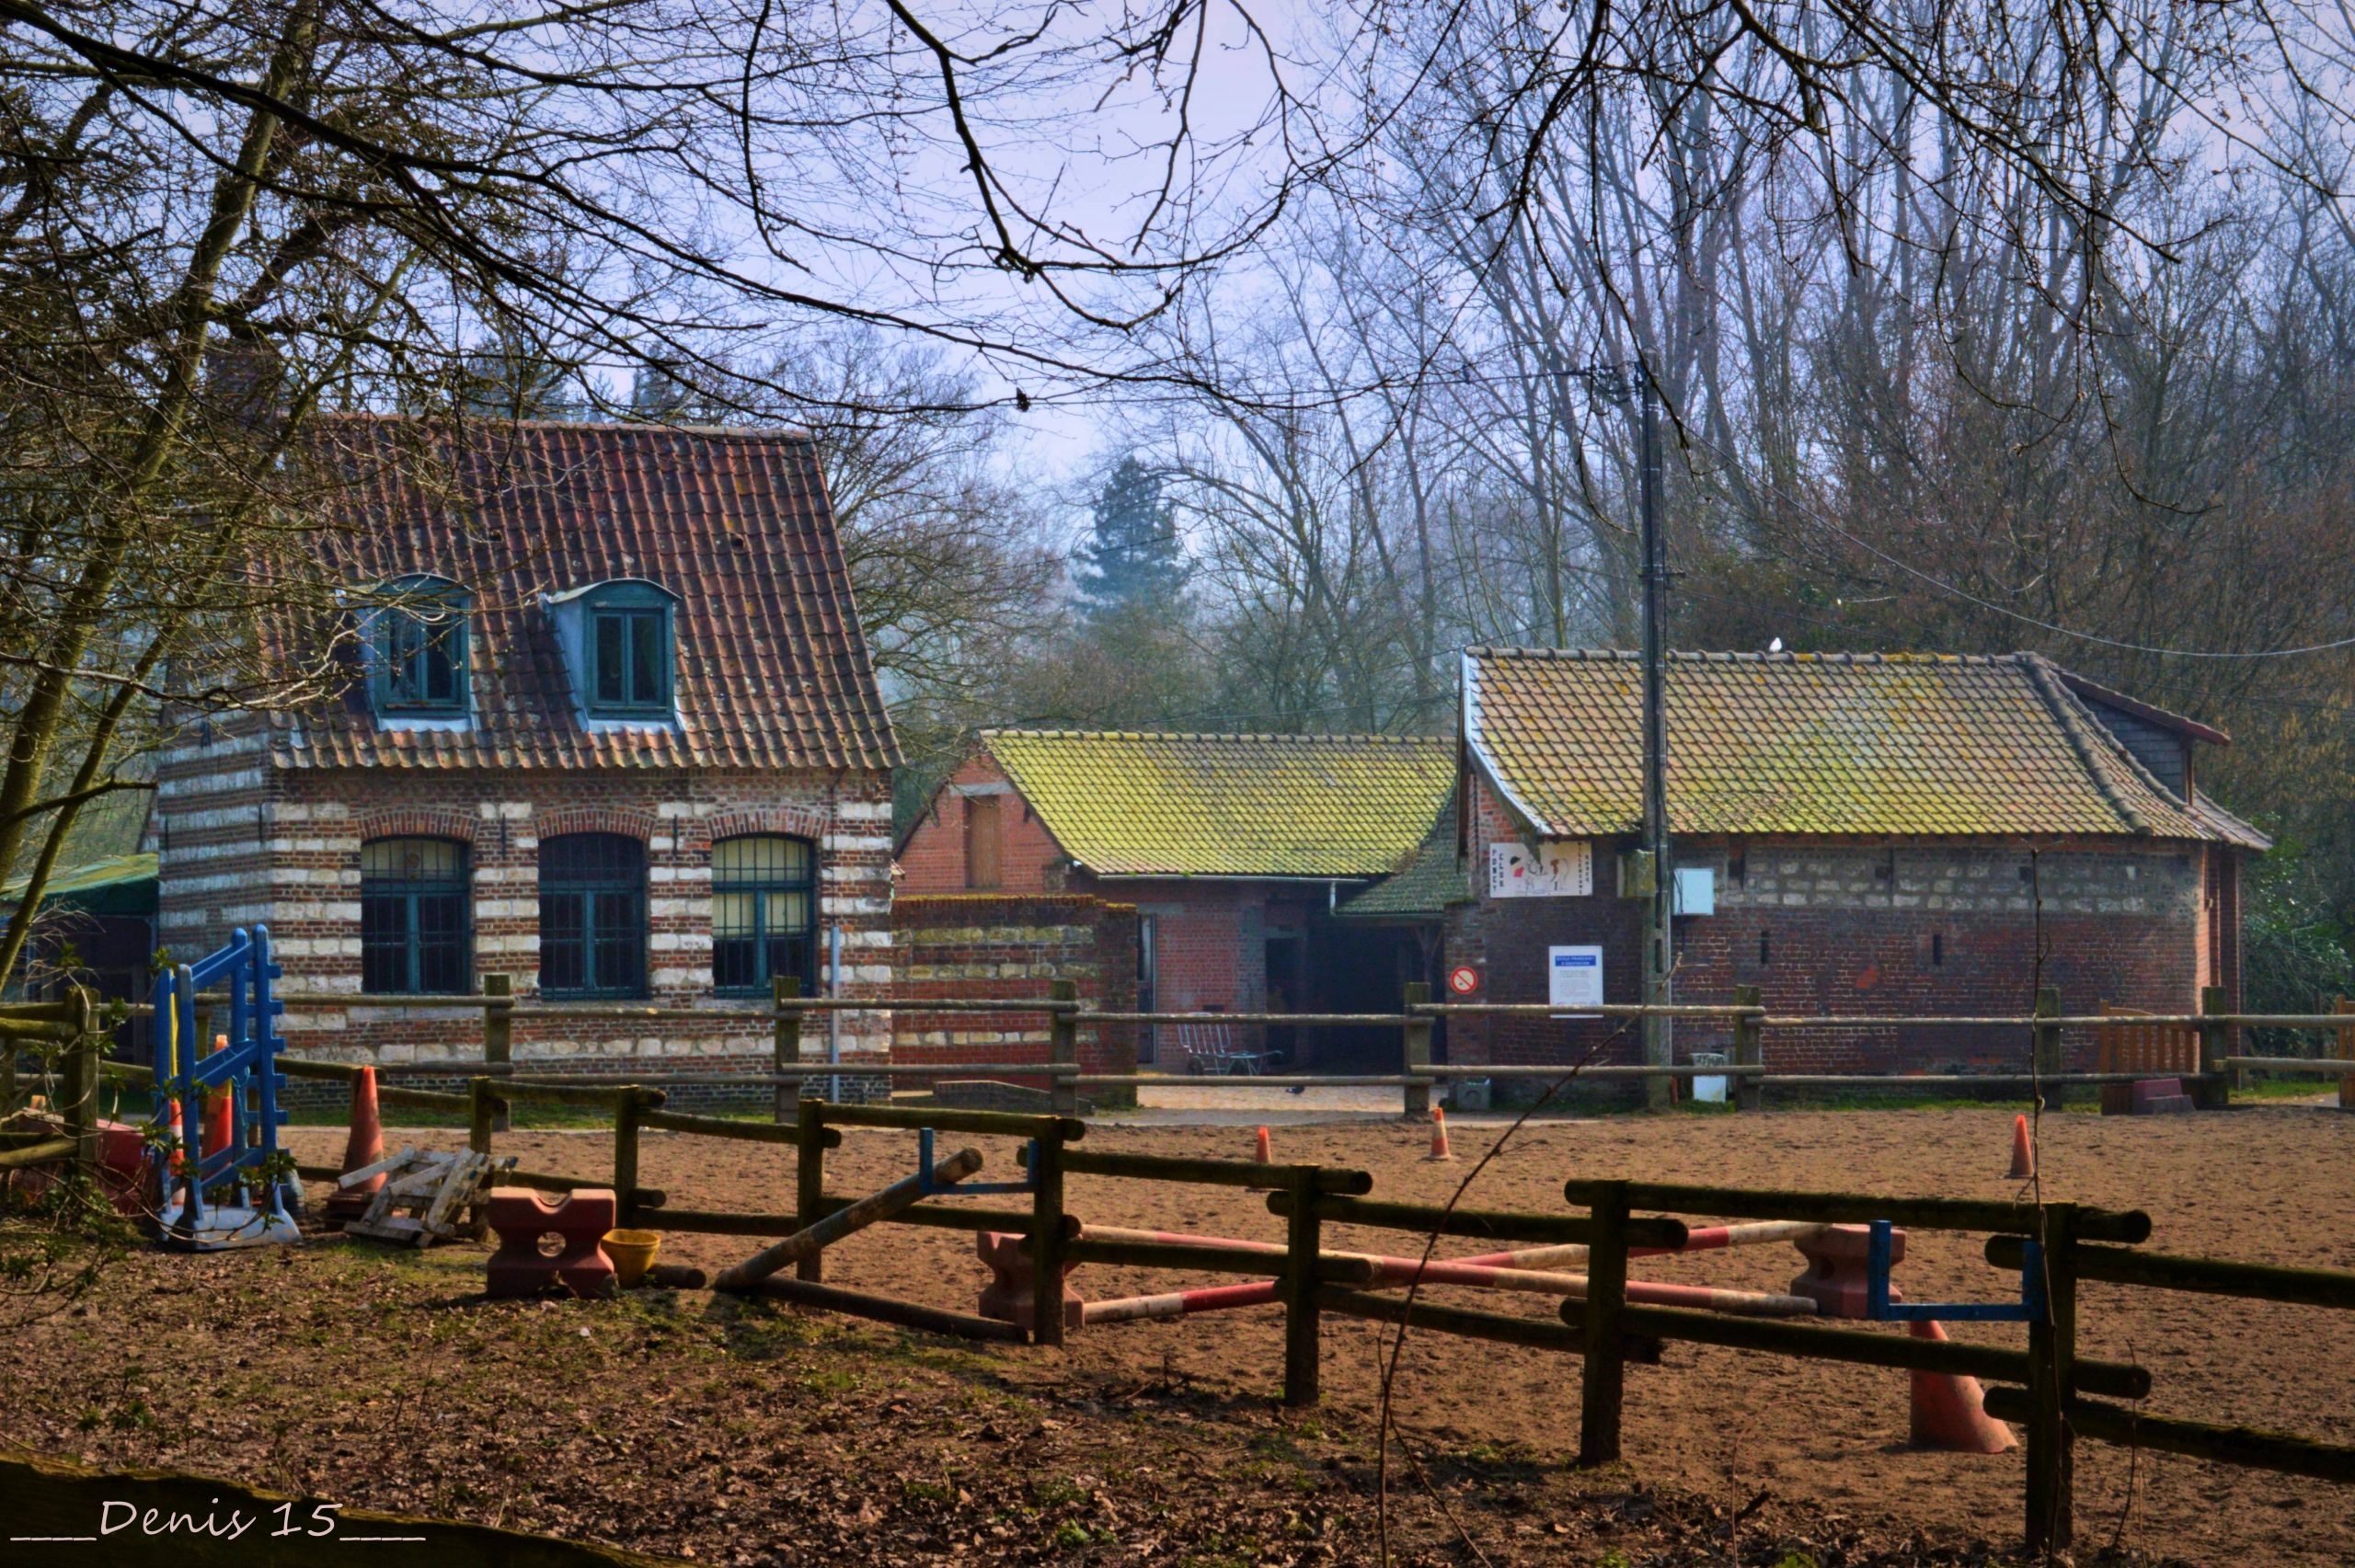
498, 1032
902, 1195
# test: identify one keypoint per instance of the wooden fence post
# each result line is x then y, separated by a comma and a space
1748, 1050
1063, 1050
2045, 1051
499, 1029
626, 1109
786, 1052
2346, 1040
1303, 1241
2053, 1352
1417, 1031
1047, 1240
1603, 1385
809, 1175
2215, 1090
484, 1113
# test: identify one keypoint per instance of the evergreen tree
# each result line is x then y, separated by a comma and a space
1132, 556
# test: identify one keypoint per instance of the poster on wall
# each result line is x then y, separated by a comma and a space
1556, 868
1574, 977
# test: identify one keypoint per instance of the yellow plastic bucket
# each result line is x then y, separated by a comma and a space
633, 1254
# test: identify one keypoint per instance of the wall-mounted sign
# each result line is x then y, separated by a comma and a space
1574, 977
1463, 979
1557, 868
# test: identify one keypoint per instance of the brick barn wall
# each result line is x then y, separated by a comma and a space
959, 945
1925, 927
242, 841
932, 859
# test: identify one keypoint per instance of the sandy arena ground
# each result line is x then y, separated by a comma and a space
2274, 1184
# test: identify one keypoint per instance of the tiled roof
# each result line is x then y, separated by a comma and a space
1810, 743
1141, 805
773, 670
1429, 879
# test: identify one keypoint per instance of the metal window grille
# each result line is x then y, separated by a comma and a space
413, 925
763, 912
593, 916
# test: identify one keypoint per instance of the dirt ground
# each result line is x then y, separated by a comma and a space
1141, 1418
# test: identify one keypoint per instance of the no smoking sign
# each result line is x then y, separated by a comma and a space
1462, 980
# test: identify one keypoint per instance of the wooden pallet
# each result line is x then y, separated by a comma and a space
437, 1187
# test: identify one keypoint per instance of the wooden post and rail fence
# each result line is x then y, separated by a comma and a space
2057, 1394
2198, 1049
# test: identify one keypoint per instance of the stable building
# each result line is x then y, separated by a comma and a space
612, 733
1862, 834
1238, 852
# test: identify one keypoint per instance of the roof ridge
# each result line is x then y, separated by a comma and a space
1352, 737
1733, 656
492, 422
2075, 725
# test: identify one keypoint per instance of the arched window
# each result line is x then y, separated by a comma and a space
763, 912
413, 918
592, 915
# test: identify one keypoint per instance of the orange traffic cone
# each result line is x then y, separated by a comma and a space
2023, 1156
220, 1127
1261, 1153
1949, 1413
1438, 1136
365, 1146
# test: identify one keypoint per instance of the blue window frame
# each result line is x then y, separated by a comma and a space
419, 648
630, 657
593, 916
413, 925
764, 913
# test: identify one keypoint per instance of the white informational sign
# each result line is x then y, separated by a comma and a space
1574, 977
1557, 868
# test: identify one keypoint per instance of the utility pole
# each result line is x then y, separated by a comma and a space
1625, 384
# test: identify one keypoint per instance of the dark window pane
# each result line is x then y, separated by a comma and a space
611, 682
384, 944
563, 954
646, 663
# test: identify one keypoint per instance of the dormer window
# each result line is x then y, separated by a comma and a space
631, 649
416, 635
619, 643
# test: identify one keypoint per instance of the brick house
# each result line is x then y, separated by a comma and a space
1235, 851
1861, 834
612, 732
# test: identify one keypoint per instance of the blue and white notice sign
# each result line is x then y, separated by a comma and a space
1574, 977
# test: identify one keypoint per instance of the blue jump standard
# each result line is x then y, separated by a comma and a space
2029, 1309
247, 1071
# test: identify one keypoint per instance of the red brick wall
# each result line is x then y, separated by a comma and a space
242, 841
933, 858
1927, 927
1012, 945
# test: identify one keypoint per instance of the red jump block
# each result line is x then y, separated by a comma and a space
1836, 1279
578, 1221
1012, 1294
2160, 1097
